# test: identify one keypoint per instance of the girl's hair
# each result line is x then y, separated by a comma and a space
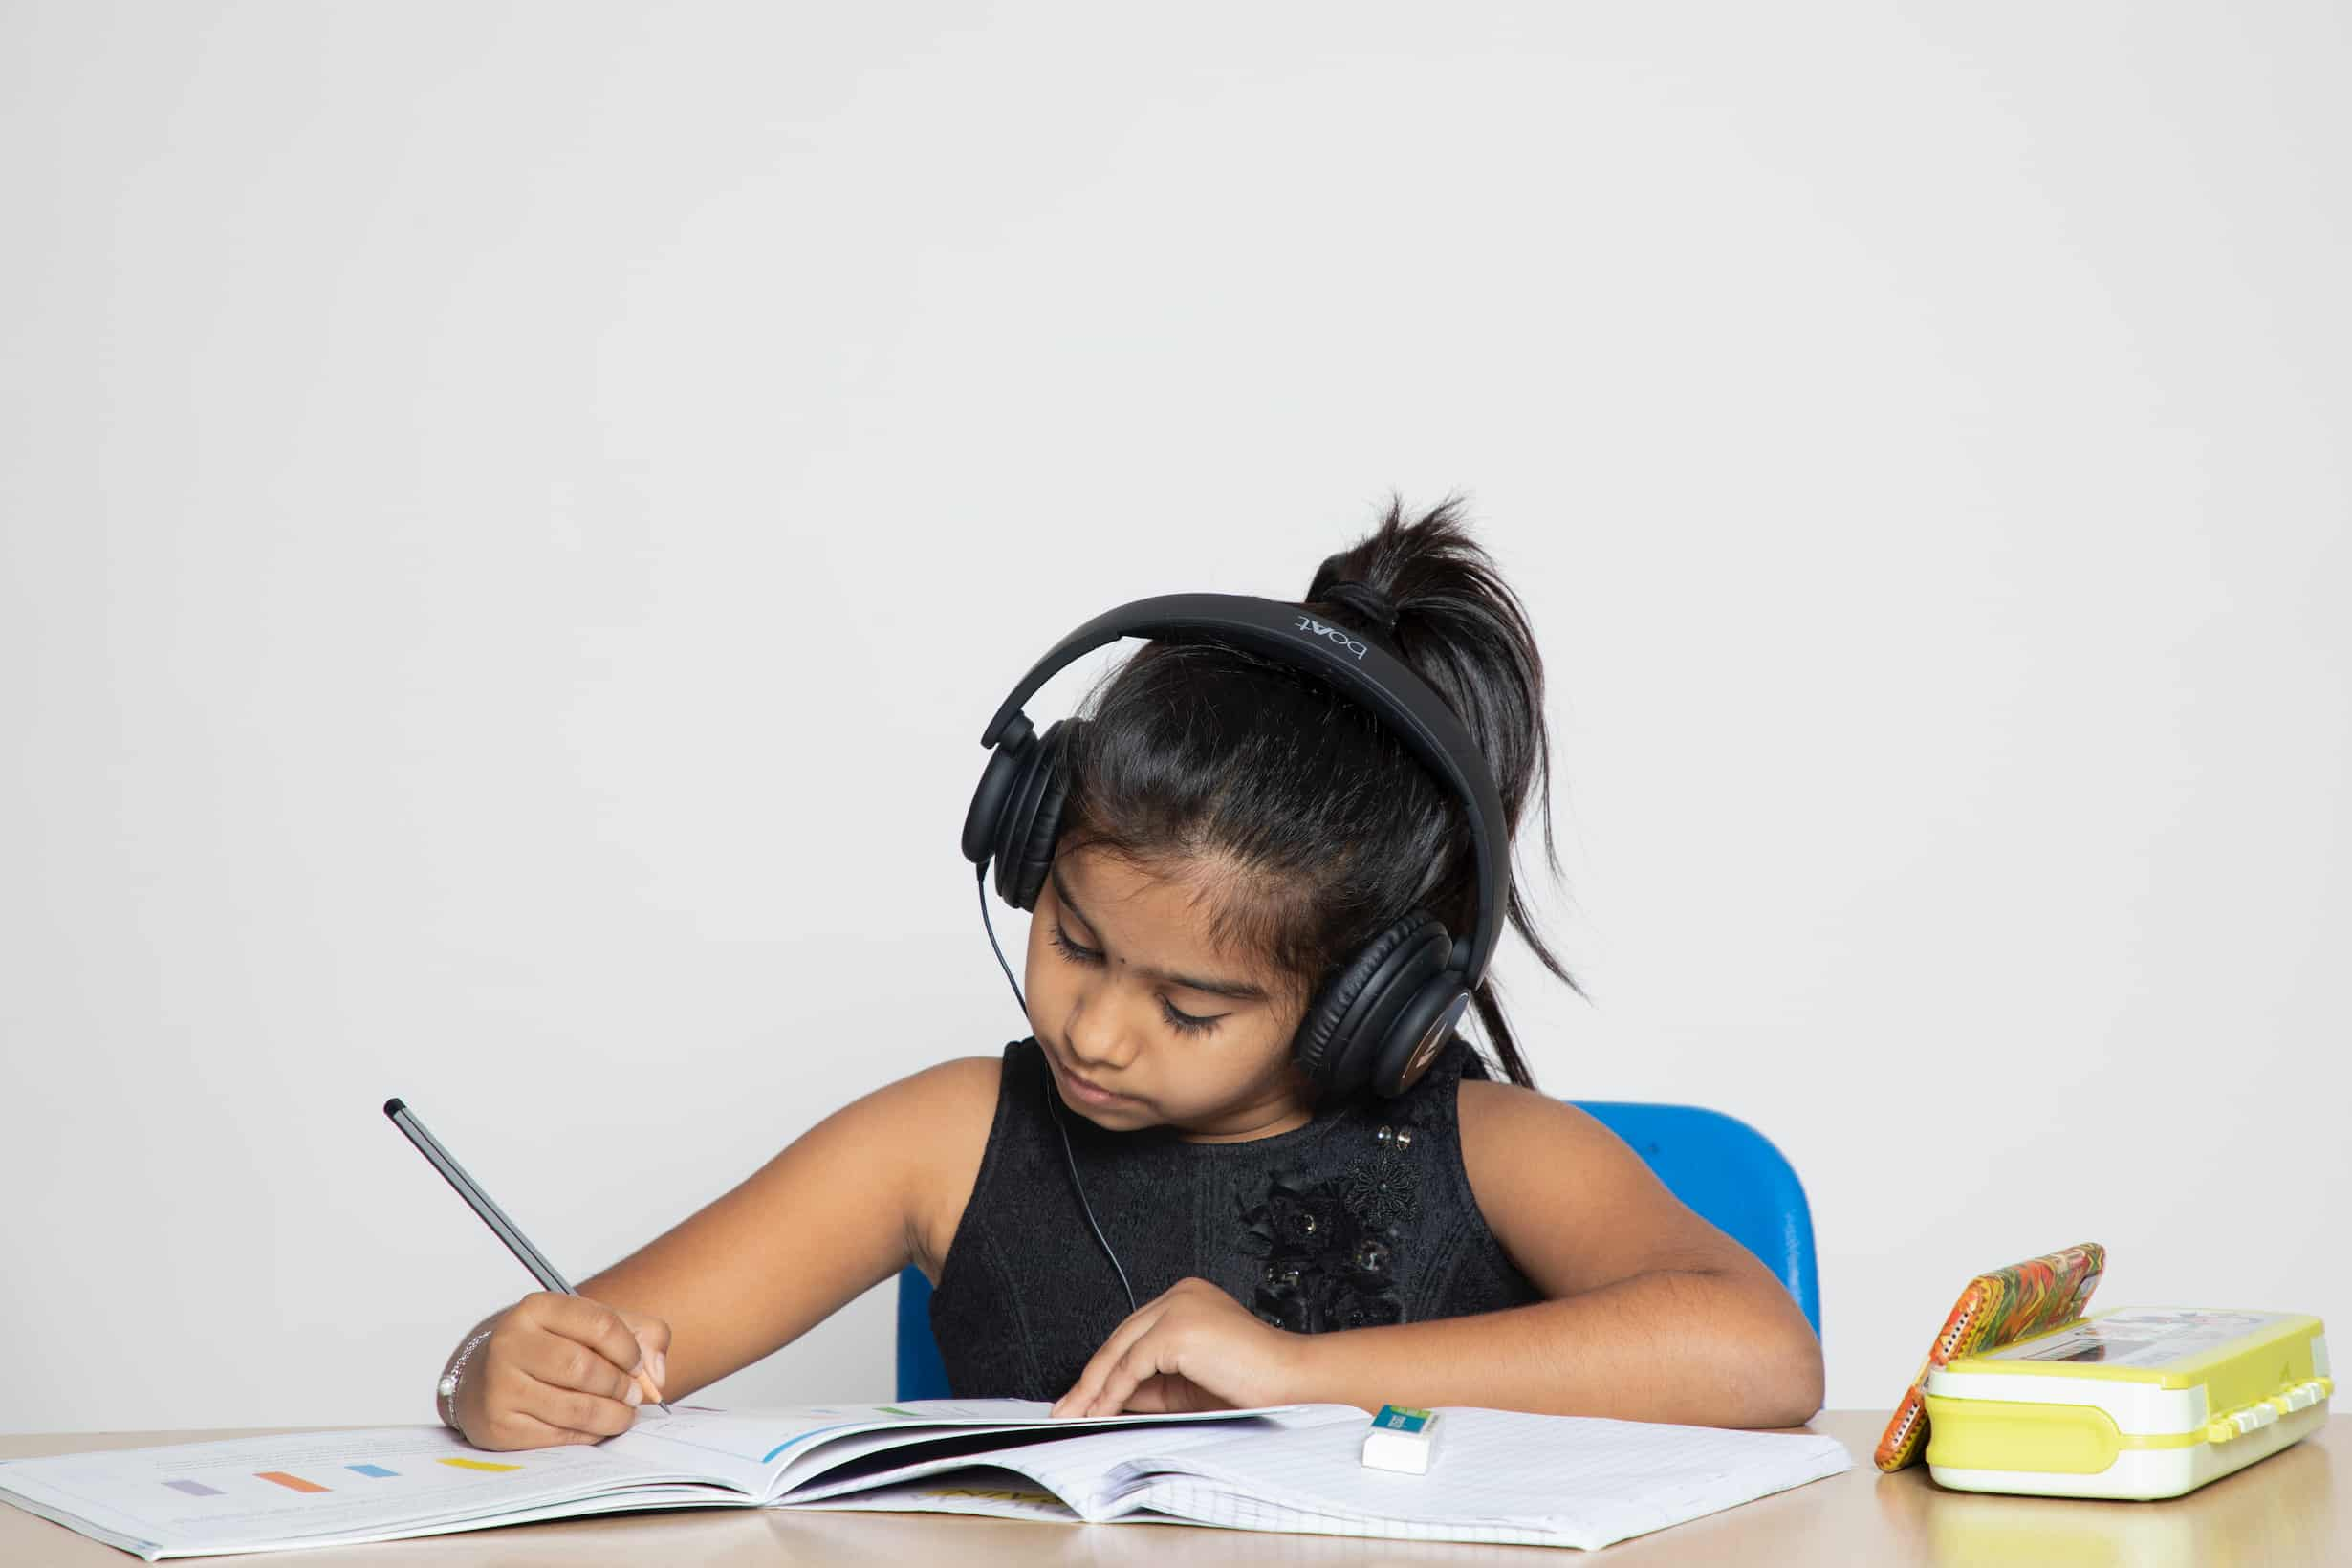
1306, 826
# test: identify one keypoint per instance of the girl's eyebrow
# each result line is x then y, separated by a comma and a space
1240, 991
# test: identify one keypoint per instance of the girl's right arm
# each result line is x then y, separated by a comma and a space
878, 1184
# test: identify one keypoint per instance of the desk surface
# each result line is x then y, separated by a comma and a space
2282, 1511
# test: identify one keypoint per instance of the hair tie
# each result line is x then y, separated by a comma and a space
1365, 601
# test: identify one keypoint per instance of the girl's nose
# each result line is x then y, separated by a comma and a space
1094, 1034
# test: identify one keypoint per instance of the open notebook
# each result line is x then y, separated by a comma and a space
1500, 1476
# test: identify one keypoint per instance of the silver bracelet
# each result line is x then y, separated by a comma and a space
446, 1388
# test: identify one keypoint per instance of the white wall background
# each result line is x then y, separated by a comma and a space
512, 517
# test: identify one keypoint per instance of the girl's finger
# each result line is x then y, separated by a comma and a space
656, 1369
575, 1411
593, 1325
652, 1333
515, 1430
1079, 1399
1163, 1392
567, 1363
1141, 1360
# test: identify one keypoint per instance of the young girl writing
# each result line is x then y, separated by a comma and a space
1152, 1202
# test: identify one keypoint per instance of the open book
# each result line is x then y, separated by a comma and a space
1499, 1475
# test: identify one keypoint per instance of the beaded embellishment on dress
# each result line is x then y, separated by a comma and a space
1329, 1253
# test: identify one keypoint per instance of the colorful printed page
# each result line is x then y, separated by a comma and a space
323, 1489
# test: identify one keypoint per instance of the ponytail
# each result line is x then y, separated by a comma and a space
1460, 629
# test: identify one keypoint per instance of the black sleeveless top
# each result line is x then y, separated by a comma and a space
1363, 1216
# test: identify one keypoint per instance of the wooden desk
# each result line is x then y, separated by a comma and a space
2283, 1510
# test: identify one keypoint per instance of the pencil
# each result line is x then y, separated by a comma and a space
550, 1278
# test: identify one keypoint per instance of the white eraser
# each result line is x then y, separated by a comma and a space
1400, 1440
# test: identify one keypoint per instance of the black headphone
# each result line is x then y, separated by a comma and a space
1382, 1019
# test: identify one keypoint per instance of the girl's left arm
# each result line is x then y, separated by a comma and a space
1654, 1313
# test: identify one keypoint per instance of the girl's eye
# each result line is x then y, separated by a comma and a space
1183, 1023
1071, 950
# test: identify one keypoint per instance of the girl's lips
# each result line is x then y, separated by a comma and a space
1093, 1093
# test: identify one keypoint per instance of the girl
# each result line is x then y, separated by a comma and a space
1233, 829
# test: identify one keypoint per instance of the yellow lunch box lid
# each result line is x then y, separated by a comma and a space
2234, 1355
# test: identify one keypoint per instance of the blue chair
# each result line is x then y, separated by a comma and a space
1728, 1173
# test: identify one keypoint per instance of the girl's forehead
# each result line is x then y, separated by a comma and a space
1161, 913
1169, 896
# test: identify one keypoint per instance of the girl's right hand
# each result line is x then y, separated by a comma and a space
558, 1370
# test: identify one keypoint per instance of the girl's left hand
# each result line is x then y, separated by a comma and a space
1194, 1348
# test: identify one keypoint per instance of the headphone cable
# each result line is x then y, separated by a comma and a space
1051, 1106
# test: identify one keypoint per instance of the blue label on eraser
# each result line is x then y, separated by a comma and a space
1398, 1419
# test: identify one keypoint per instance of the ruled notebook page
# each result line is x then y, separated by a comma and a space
1499, 1475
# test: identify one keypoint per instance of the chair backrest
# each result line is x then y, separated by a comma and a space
1728, 1174
1731, 1176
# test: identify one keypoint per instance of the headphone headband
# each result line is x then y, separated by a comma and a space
1360, 670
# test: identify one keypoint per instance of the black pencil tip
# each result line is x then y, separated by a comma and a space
393, 1106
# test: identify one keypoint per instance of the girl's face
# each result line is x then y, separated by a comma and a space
1143, 1021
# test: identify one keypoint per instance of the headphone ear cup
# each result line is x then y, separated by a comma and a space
1344, 1035
1007, 760
1418, 1034
1032, 821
